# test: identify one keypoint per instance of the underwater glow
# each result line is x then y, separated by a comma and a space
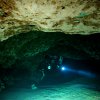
58, 66
49, 67
63, 68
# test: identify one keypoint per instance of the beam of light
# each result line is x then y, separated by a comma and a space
87, 74
80, 72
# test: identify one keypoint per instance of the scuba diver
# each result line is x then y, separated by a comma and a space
49, 67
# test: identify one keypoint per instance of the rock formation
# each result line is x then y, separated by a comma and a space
68, 16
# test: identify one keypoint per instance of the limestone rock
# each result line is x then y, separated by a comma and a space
68, 16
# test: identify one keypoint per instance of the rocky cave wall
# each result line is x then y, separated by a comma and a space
68, 16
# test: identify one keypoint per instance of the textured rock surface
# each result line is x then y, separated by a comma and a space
68, 16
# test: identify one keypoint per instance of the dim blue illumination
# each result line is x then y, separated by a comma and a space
85, 73
58, 66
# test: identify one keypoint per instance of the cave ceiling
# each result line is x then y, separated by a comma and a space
29, 29
67, 16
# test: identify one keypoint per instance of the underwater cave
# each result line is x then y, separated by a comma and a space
50, 66
49, 50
